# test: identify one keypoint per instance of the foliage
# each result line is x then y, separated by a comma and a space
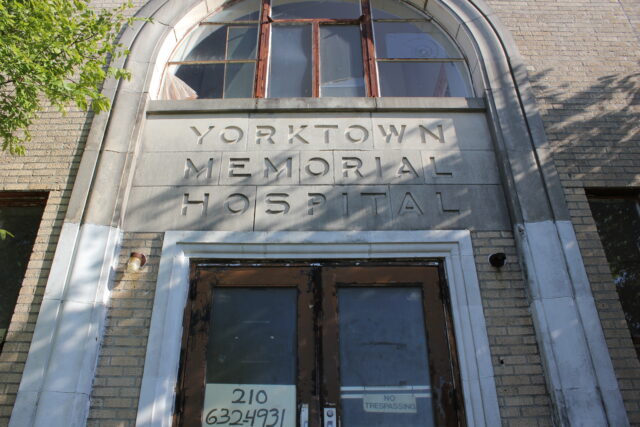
58, 50
4, 234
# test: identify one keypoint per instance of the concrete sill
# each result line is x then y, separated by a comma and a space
450, 104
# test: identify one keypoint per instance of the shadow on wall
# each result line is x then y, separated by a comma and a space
593, 132
421, 184
580, 127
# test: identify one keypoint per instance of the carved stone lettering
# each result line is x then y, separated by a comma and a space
278, 203
266, 132
426, 134
295, 134
186, 202
374, 201
406, 168
447, 208
236, 203
237, 166
297, 170
231, 134
316, 200
351, 163
200, 134
190, 169
409, 205
357, 134
435, 168
327, 131
317, 166
393, 132
270, 167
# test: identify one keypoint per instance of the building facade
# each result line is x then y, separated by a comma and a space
340, 205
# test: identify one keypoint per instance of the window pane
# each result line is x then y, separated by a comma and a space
205, 43
252, 339
423, 79
384, 370
387, 9
243, 42
290, 66
412, 40
286, 9
23, 223
205, 79
251, 357
248, 10
341, 71
618, 225
239, 80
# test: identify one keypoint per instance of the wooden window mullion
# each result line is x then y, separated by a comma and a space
443, 391
369, 51
263, 50
316, 59
330, 362
196, 319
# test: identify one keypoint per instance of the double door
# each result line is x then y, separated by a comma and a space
318, 345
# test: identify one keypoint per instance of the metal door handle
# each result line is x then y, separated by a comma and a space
330, 418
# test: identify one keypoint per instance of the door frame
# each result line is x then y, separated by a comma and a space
453, 247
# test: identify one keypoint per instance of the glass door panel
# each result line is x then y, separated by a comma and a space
251, 358
317, 345
246, 351
387, 355
384, 373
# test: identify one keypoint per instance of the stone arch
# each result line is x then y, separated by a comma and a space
547, 244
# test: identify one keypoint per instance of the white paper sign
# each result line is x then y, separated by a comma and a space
390, 402
249, 405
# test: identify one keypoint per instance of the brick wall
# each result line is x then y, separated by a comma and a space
520, 382
50, 164
623, 354
114, 400
582, 58
522, 393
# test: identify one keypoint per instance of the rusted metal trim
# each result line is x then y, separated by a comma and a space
440, 366
193, 363
330, 352
453, 351
263, 50
307, 384
371, 71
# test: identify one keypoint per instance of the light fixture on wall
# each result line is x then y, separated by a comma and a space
136, 261
498, 259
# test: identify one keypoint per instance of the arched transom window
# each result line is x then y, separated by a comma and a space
316, 48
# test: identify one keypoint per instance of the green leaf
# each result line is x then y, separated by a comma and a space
4, 234
56, 50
